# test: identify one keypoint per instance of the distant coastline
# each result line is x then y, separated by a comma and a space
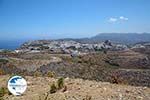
124, 38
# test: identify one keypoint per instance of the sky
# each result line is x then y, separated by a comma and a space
52, 19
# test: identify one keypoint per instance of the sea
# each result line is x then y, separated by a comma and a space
11, 44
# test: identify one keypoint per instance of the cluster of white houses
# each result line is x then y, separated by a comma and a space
67, 46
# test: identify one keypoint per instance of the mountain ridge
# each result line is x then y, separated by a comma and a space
125, 38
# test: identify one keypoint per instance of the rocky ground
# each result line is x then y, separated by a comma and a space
77, 89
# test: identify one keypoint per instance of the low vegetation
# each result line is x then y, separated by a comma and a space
130, 66
3, 61
53, 88
1, 72
3, 92
87, 97
60, 83
37, 74
50, 74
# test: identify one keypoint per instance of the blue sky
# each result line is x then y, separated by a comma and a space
44, 19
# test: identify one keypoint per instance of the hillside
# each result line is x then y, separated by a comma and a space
121, 67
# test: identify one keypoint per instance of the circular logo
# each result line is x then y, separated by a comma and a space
17, 85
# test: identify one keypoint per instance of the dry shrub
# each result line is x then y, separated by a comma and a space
87, 97
37, 74
50, 74
1, 72
53, 88
118, 80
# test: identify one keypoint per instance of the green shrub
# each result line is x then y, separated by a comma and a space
50, 74
53, 88
4, 61
60, 83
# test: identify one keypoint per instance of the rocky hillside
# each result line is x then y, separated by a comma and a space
121, 67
